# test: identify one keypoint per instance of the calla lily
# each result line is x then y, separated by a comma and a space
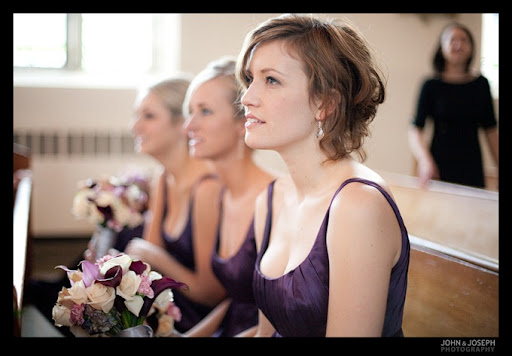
158, 286
113, 277
138, 267
73, 274
122, 260
91, 272
134, 304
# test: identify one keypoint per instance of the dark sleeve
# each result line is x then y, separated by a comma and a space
488, 120
422, 106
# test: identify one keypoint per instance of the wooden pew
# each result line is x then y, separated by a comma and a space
462, 218
448, 296
20, 244
22, 195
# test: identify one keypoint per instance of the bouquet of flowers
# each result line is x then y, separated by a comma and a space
114, 202
114, 294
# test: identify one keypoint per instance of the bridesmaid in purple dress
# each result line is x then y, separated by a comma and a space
333, 251
180, 233
216, 131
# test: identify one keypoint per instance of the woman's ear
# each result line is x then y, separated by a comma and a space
328, 105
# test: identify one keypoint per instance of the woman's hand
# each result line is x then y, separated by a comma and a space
427, 170
139, 249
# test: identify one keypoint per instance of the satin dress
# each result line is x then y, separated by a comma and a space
182, 249
296, 303
236, 273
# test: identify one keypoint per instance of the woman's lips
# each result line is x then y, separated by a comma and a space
252, 122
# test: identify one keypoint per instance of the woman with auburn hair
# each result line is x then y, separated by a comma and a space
333, 251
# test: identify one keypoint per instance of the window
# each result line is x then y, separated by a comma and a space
39, 40
490, 64
110, 48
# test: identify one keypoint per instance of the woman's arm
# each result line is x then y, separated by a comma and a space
210, 323
363, 243
203, 286
153, 227
427, 168
494, 145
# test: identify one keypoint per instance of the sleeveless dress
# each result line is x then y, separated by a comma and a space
182, 249
296, 303
236, 273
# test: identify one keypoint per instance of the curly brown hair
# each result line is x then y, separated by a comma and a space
341, 70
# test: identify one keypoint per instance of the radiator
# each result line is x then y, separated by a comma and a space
60, 159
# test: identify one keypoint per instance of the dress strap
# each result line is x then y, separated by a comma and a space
382, 190
268, 222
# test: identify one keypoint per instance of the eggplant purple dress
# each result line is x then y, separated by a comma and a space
236, 273
182, 249
296, 303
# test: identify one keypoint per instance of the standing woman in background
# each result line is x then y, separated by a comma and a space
333, 251
459, 103
180, 233
215, 125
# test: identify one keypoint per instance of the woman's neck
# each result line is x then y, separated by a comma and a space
314, 174
456, 73
236, 173
183, 169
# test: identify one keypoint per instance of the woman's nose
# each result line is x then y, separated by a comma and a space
249, 97
188, 124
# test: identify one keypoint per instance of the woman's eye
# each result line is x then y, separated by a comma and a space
272, 80
206, 111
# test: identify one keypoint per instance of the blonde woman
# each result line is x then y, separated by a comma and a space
216, 130
180, 234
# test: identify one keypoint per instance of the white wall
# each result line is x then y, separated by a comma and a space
403, 42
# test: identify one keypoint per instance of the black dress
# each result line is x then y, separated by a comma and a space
457, 111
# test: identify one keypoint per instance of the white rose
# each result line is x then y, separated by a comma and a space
101, 297
77, 293
129, 285
81, 204
105, 198
95, 217
132, 194
122, 213
61, 315
135, 219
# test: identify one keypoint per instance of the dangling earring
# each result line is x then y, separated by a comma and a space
320, 132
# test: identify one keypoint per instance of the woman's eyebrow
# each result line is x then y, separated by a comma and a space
266, 70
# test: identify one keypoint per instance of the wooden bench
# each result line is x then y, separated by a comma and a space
458, 217
22, 194
449, 296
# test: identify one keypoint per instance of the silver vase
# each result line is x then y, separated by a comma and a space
136, 331
104, 240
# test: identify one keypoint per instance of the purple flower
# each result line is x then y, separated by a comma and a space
77, 314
